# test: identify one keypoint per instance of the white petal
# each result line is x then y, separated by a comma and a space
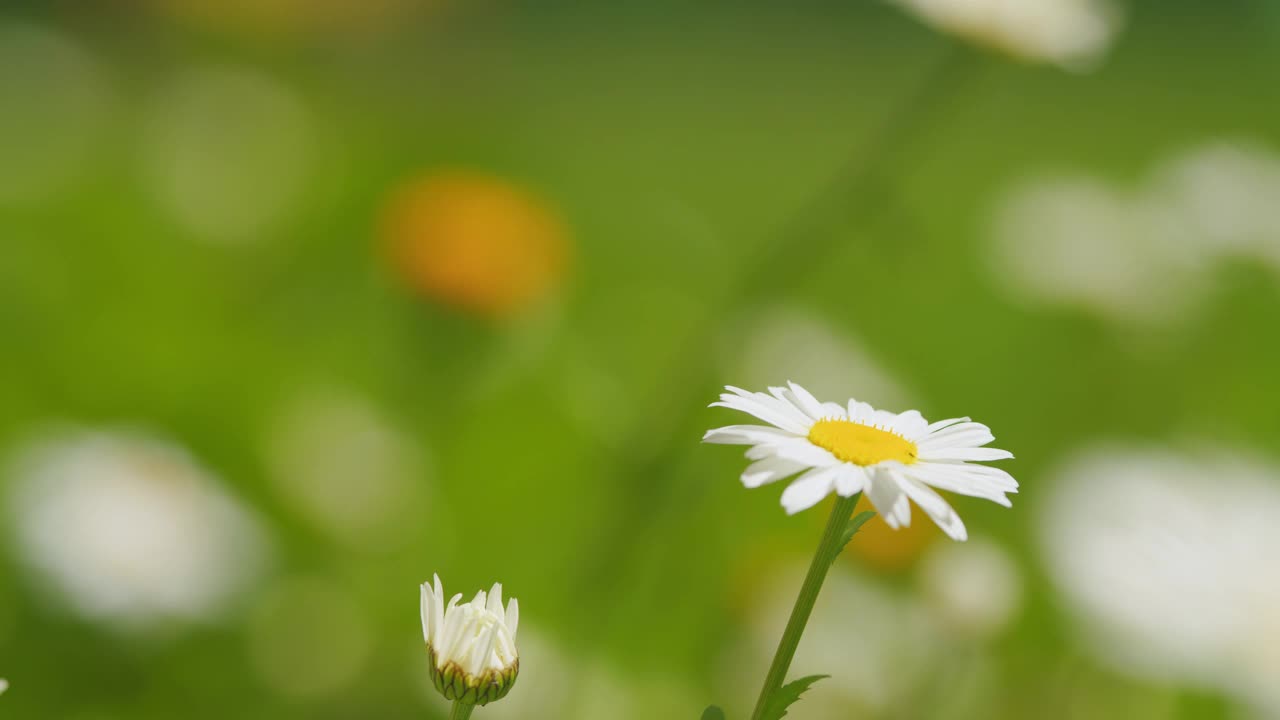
910, 424
452, 630
970, 454
481, 649
850, 480
965, 434
774, 402
745, 435
935, 427
437, 607
860, 411
769, 409
803, 451
513, 618
834, 410
888, 499
495, 600
770, 469
781, 394
427, 612
975, 480
936, 508
883, 419
808, 489
805, 400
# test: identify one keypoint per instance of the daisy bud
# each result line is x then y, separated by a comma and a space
472, 645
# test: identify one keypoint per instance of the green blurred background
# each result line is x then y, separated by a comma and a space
222, 228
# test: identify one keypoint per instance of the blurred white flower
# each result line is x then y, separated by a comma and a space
974, 588
55, 100
308, 637
1226, 196
227, 152
472, 645
1071, 33
338, 460
893, 633
547, 680
1074, 240
1168, 560
129, 528
832, 360
4, 685
1147, 254
847, 449
556, 683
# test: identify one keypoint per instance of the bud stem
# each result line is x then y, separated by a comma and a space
828, 549
461, 710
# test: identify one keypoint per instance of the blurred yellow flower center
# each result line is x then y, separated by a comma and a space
861, 444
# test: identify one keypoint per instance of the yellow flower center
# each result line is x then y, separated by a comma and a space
861, 444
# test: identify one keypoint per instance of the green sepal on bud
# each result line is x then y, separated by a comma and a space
456, 685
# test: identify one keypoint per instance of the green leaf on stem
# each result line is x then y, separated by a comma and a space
786, 695
713, 712
855, 524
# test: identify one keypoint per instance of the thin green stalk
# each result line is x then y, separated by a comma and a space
828, 549
461, 710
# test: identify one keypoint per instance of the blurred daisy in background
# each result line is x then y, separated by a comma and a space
847, 449
1226, 196
1072, 33
1075, 240
1144, 255
341, 462
974, 589
1168, 561
226, 151
890, 628
56, 101
475, 242
547, 679
833, 359
908, 634
556, 683
129, 529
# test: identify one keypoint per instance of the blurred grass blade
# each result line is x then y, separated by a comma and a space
713, 712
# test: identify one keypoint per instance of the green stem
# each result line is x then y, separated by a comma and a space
461, 710
826, 554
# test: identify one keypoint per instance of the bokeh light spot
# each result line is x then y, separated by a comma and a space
53, 104
226, 152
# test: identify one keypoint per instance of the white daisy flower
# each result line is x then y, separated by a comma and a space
472, 645
850, 449
130, 529
1070, 33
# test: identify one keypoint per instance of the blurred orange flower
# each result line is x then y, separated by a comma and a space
882, 548
475, 242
